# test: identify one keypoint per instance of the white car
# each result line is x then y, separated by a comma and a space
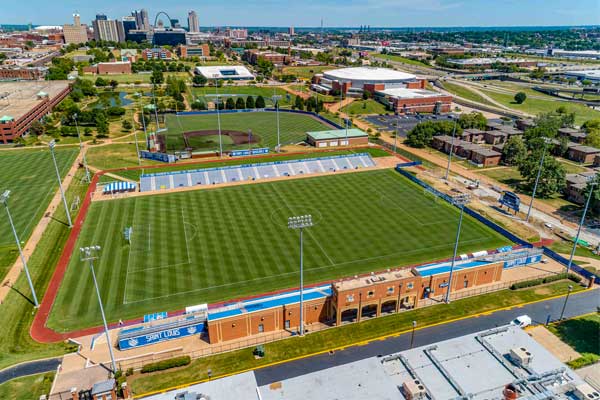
521, 321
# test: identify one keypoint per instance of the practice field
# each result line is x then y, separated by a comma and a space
218, 244
31, 178
292, 127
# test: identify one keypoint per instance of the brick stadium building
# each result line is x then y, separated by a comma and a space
337, 137
253, 55
400, 90
23, 102
201, 51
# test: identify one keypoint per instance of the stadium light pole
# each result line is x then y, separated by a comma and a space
144, 124
275, 99
451, 149
85, 165
412, 335
299, 223
91, 253
51, 145
137, 147
215, 76
587, 204
537, 179
4, 200
461, 201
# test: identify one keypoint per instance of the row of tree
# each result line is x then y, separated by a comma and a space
230, 104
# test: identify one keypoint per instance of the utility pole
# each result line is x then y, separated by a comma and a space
51, 145
4, 200
215, 76
299, 223
451, 149
537, 179
562, 313
412, 335
90, 254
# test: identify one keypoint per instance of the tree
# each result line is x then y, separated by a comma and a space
229, 104
240, 104
126, 125
157, 77
421, 135
199, 80
299, 103
594, 185
260, 102
113, 84
249, 102
87, 131
514, 151
264, 67
590, 126
552, 177
101, 82
472, 120
520, 97
37, 128
366, 95
561, 148
593, 139
101, 124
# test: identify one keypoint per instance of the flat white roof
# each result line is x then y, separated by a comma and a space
404, 93
592, 73
225, 72
368, 74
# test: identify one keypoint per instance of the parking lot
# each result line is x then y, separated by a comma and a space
403, 123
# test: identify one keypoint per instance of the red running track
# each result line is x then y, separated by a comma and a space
41, 333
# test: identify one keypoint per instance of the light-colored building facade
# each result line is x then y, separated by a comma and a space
193, 23
75, 33
108, 30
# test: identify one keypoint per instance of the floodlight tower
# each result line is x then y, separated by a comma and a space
299, 223
216, 76
51, 145
459, 201
451, 148
275, 98
85, 165
4, 200
537, 179
587, 204
91, 253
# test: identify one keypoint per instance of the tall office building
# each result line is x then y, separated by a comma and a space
193, 23
101, 17
108, 30
76, 33
291, 31
129, 25
141, 19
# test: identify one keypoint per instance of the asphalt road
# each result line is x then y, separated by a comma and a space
30, 368
578, 304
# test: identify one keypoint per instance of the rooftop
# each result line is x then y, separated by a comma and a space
18, 98
369, 74
364, 281
409, 93
337, 134
224, 72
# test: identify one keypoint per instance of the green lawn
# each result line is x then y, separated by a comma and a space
465, 93
307, 72
363, 107
116, 155
17, 312
583, 333
243, 91
31, 178
135, 78
27, 388
403, 60
213, 245
293, 127
535, 106
345, 335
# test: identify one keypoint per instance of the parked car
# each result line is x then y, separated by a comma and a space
521, 321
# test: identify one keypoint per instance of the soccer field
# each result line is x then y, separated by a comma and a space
212, 245
292, 127
31, 178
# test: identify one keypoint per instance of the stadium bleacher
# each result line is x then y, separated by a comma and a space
236, 173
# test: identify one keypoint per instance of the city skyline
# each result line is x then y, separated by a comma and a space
382, 13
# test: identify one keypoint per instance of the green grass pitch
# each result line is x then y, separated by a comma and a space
292, 127
218, 244
31, 178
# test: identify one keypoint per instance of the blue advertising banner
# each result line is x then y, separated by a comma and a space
520, 261
157, 336
250, 152
168, 158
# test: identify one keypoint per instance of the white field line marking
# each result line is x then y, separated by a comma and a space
309, 269
308, 230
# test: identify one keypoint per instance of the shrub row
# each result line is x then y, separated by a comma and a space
583, 361
548, 279
166, 364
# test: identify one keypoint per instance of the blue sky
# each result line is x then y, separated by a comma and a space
396, 13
